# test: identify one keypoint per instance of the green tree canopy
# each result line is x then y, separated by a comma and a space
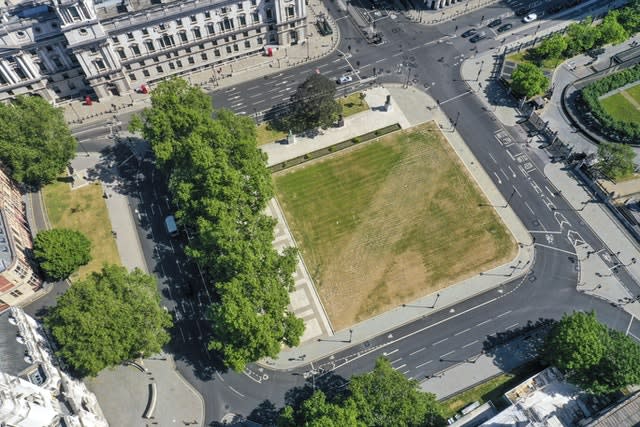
610, 30
528, 80
629, 17
60, 252
598, 359
383, 397
553, 47
312, 106
582, 35
109, 317
35, 142
219, 181
615, 160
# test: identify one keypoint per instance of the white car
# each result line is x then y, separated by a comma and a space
344, 80
530, 17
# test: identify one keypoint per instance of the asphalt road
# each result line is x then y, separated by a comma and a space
429, 57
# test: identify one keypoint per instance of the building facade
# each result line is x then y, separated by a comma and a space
65, 49
18, 278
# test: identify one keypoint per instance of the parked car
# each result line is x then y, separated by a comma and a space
522, 12
530, 17
495, 23
469, 33
344, 80
504, 28
478, 37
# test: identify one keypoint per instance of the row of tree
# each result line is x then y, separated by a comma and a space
381, 398
595, 357
588, 102
220, 186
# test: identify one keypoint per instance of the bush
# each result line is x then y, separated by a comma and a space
355, 140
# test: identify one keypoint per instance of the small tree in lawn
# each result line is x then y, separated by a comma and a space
60, 252
313, 105
615, 160
528, 80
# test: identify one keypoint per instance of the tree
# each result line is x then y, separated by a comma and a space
553, 47
582, 36
598, 359
610, 30
109, 317
312, 106
385, 397
318, 412
219, 181
60, 252
576, 343
528, 80
615, 160
35, 142
629, 17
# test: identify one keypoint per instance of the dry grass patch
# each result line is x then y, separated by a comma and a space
353, 104
389, 222
84, 210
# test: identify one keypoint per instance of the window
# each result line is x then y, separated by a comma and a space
203, 56
145, 73
183, 36
127, 67
156, 59
240, 6
122, 54
57, 62
65, 76
193, 18
207, 14
132, 77
161, 27
188, 50
245, 34
233, 37
167, 41
115, 39
196, 33
49, 48
172, 66
129, 36
253, 2
269, 14
135, 49
255, 17
145, 32
159, 69
37, 29
226, 39
216, 52
258, 30
191, 60
243, 20
93, 50
235, 47
142, 64
211, 28
100, 64
247, 44
228, 24
150, 46
228, 49
292, 25
179, 22
259, 40
215, 42
179, 63
291, 11
15, 293
75, 15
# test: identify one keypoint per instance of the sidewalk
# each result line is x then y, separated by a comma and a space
409, 109
231, 73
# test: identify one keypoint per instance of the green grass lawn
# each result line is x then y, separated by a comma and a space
266, 135
634, 91
620, 108
353, 104
490, 390
390, 221
84, 210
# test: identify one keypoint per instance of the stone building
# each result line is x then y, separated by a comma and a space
18, 279
64, 49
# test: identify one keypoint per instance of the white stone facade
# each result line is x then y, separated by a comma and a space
64, 49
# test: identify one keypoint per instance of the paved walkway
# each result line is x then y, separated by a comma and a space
409, 109
230, 73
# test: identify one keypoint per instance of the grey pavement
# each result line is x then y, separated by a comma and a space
411, 107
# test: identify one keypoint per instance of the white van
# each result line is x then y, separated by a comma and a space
170, 224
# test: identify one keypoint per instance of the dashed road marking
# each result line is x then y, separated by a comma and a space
423, 364
417, 351
470, 344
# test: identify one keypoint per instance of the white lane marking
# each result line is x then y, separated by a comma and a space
456, 97
397, 360
236, 391
493, 158
513, 158
397, 54
470, 344
439, 342
515, 189
550, 192
446, 354
632, 335
219, 376
544, 232
629, 325
337, 60
320, 66
423, 364
512, 326
406, 372
381, 60
417, 351
461, 332
255, 96
529, 207
258, 102
505, 175
498, 178
504, 314
556, 249
414, 48
390, 353
400, 367
482, 323
253, 87
513, 174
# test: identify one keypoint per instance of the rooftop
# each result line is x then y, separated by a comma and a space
12, 353
6, 255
